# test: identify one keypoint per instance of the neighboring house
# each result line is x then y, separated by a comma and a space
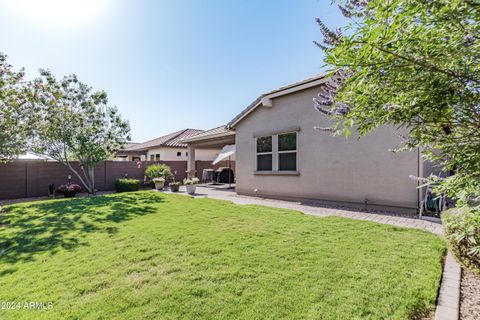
124, 155
34, 156
164, 148
280, 154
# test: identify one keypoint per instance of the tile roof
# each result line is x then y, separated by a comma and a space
169, 140
130, 144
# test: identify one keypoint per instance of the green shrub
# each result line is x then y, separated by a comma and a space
462, 231
126, 185
158, 171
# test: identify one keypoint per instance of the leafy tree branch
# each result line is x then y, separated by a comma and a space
413, 65
76, 124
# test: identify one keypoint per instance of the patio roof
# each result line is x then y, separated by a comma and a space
218, 132
215, 138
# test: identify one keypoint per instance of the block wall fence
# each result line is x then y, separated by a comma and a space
31, 178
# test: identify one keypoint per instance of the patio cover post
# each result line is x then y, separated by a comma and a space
191, 170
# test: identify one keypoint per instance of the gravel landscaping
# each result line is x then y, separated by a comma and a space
469, 296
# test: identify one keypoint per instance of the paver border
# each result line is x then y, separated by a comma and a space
448, 303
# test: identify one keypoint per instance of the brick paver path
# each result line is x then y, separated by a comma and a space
317, 209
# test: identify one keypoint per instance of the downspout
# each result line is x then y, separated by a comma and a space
420, 175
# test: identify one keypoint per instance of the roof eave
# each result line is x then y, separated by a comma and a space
213, 136
265, 99
243, 114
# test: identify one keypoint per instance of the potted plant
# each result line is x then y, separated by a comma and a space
69, 190
191, 185
174, 186
159, 183
155, 171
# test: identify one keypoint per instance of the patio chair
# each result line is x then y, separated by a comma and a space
207, 175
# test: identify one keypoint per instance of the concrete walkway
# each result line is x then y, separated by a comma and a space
317, 209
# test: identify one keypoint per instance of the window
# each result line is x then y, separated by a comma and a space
287, 152
179, 154
287, 142
277, 152
157, 157
264, 153
152, 157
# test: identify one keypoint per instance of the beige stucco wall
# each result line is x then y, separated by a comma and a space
331, 168
170, 154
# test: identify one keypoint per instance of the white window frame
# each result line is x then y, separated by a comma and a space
288, 151
275, 153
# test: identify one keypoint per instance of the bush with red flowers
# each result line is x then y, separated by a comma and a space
69, 190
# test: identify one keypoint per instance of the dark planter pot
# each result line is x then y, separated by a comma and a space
174, 188
69, 194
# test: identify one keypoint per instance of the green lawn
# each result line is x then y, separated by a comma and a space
147, 255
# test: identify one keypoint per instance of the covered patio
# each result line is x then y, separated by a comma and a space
216, 138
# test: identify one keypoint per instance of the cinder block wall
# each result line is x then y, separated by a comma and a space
31, 178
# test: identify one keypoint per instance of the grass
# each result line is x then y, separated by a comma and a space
147, 255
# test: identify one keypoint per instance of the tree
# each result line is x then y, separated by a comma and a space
413, 64
13, 111
76, 124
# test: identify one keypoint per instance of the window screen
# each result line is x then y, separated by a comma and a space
287, 142
287, 161
264, 162
264, 153
287, 151
264, 144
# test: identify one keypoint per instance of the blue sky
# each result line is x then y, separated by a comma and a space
169, 65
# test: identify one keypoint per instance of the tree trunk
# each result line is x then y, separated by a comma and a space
82, 180
91, 176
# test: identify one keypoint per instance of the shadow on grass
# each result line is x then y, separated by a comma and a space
29, 229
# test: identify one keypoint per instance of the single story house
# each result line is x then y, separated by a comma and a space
165, 148
280, 154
